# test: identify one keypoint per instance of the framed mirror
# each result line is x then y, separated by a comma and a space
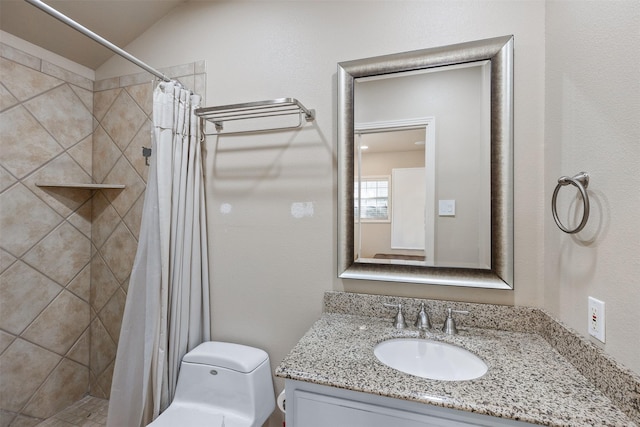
425, 166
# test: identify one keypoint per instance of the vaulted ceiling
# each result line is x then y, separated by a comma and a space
119, 21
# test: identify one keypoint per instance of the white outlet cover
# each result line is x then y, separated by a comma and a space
596, 314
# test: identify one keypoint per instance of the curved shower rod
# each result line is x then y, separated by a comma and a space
104, 42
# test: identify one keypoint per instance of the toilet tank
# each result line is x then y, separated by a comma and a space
233, 379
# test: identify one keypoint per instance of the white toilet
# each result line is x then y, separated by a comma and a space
221, 385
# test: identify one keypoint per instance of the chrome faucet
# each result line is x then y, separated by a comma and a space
398, 320
449, 326
422, 320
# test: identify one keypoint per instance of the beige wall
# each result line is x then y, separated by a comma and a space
272, 261
592, 124
269, 266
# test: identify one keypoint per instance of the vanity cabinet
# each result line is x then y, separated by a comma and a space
313, 405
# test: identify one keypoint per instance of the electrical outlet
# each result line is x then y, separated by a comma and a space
596, 318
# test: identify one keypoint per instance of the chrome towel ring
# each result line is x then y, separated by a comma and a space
581, 181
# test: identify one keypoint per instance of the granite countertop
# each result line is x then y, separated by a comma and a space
527, 380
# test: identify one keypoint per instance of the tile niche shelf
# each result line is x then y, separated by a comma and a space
82, 186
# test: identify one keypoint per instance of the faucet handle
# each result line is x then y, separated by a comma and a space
422, 320
449, 326
398, 321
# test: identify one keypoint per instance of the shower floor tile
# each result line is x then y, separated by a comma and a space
87, 412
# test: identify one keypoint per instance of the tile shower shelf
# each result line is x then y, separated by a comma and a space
82, 186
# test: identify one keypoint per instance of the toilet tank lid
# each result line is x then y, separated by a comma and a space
227, 355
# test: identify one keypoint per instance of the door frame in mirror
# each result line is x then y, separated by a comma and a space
499, 51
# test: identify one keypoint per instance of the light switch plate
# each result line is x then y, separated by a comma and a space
447, 207
596, 318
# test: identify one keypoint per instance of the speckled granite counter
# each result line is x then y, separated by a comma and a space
528, 379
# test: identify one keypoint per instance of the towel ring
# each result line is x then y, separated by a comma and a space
581, 181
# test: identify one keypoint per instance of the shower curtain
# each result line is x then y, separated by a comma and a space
167, 308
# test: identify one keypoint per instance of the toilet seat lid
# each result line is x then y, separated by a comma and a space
232, 356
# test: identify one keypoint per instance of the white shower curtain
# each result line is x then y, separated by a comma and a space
167, 308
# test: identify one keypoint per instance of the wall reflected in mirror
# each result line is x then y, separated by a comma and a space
422, 178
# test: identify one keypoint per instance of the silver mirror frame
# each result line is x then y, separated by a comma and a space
499, 51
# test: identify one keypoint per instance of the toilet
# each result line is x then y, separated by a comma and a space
221, 384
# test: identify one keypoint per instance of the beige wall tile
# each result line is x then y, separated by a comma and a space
82, 153
119, 252
188, 82
24, 143
81, 218
123, 120
63, 114
134, 217
6, 179
69, 314
6, 418
66, 75
24, 82
112, 83
61, 255
133, 153
63, 169
68, 376
124, 173
200, 67
142, 94
5, 340
6, 259
105, 154
86, 96
24, 421
23, 367
105, 219
179, 70
80, 286
103, 349
200, 86
136, 79
103, 283
79, 352
105, 378
103, 100
111, 314
24, 293
6, 99
16, 55
24, 219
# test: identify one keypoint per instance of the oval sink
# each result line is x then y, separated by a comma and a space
430, 359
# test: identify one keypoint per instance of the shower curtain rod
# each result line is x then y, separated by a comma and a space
104, 42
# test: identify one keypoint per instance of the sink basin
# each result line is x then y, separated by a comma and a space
430, 359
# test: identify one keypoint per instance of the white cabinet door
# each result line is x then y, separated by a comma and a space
317, 410
314, 405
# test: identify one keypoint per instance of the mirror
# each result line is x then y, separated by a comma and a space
430, 198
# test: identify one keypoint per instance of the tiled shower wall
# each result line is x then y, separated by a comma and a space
45, 237
66, 254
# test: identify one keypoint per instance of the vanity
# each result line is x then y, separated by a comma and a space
332, 377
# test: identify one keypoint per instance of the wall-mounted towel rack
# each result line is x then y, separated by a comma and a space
255, 110
581, 182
